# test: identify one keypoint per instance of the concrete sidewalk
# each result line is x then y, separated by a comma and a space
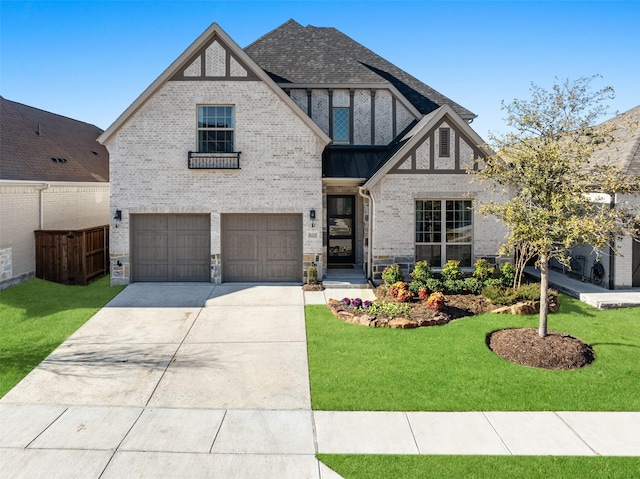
213, 380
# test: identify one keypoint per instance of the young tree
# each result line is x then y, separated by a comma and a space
545, 172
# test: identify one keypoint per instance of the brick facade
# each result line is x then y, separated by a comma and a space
280, 165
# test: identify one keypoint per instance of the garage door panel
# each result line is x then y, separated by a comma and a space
170, 247
262, 247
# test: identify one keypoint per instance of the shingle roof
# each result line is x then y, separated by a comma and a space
625, 150
316, 55
41, 146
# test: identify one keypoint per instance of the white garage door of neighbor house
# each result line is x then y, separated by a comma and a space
170, 247
261, 247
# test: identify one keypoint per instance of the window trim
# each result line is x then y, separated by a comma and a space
444, 146
232, 129
443, 243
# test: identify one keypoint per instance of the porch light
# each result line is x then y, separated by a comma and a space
118, 217
312, 216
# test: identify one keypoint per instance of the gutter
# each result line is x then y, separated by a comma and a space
365, 194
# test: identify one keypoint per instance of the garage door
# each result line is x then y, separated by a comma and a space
170, 247
261, 247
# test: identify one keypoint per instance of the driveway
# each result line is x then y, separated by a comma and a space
169, 378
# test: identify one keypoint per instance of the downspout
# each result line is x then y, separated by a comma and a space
365, 194
45, 186
612, 260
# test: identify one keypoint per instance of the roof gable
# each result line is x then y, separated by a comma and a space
313, 55
41, 146
212, 56
402, 162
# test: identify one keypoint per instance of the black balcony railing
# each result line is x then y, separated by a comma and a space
214, 161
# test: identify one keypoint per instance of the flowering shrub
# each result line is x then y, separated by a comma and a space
435, 301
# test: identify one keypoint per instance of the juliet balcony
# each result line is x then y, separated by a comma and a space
214, 161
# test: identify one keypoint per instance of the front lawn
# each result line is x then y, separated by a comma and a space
480, 467
450, 368
37, 316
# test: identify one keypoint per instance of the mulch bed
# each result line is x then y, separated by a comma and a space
555, 351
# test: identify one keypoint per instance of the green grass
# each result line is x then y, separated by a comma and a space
37, 316
450, 368
477, 467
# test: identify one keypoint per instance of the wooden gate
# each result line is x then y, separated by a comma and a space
72, 257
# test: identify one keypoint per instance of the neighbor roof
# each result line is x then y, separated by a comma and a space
625, 150
41, 146
318, 55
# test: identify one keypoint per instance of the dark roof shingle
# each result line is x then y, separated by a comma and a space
316, 55
37, 145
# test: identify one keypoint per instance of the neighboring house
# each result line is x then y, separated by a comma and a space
305, 147
53, 175
621, 270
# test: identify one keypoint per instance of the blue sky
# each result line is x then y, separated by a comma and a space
90, 59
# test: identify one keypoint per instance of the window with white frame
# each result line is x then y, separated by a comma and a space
215, 129
341, 125
444, 231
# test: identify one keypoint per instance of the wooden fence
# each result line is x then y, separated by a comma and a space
72, 257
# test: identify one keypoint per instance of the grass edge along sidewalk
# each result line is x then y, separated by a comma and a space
37, 316
450, 367
480, 467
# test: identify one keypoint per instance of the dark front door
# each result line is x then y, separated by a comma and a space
341, 228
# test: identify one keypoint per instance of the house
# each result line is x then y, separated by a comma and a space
53, 175
304, 147
621, 269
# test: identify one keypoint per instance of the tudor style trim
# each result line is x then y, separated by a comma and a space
415, 138
181, 62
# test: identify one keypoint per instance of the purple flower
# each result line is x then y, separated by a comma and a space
356, 302
366, 304
346, 301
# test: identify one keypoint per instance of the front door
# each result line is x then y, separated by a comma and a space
341, 228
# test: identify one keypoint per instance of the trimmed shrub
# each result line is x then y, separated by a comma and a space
421, 272
483, 270
453, 286
473, 285
435, 301
392, 274
416, 286
451, 271
507, 274
434, 284
423, 294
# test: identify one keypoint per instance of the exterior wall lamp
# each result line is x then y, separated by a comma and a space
118, 217
312, 216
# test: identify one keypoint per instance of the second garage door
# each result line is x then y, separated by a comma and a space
170, 247
262, 247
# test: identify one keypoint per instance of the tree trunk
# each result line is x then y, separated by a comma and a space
544, 295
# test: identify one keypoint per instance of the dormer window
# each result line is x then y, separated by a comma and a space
341, 125
215, 129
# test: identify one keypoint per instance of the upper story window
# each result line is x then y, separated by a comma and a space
215, 129
445, 135
341, 125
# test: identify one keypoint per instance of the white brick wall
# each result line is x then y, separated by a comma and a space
66, 206
394, 213
280, 164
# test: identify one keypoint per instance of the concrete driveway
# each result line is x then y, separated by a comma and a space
169, 378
